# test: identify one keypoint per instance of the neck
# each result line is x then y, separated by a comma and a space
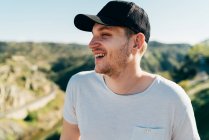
127, 81
125, 74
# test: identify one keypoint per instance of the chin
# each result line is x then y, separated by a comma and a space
97, 70
103, 71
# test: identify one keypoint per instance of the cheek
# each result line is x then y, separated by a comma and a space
116, 55
116, 47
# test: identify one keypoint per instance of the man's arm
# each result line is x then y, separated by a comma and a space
185, 128
69, 131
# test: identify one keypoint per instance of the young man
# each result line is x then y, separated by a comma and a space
118, 100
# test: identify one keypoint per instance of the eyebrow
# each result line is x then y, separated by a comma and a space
104, 28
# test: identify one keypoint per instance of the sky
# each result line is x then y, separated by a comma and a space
172, 21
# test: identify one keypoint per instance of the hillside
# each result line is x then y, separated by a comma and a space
61, 61
17, 75
41, 54
26, 96
201, 105
196, 61
35, 70
160, 58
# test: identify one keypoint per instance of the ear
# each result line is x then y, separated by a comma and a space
139, 40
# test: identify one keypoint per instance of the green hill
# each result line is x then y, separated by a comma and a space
160, 58
19, 78
201, 106
61, 61
28, 100
32, 67
196, 61
164, 57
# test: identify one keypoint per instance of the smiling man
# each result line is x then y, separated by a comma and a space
118, 100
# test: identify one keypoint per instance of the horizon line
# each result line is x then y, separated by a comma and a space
73, 42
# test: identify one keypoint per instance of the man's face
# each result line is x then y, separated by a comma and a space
110, 46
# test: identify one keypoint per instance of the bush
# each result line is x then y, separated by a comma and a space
32, 116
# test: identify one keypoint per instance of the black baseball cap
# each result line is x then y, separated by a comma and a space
117, 13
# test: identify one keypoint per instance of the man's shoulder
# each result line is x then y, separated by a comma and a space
168, 84
172, 91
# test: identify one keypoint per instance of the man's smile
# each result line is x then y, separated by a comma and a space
99, 55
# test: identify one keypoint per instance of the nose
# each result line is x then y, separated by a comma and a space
94, 42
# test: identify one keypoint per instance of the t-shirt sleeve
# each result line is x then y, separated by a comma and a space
185, 125
69, 111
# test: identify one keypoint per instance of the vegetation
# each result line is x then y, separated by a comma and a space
201, 105
31, 117
196, 61
41, 63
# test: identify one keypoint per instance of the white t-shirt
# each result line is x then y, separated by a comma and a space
162, 112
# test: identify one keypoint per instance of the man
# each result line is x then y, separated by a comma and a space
118, 100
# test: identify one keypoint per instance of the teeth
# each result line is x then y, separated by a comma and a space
100, 54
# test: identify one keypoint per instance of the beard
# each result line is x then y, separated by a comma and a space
115, 62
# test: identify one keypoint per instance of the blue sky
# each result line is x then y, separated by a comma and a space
172, 21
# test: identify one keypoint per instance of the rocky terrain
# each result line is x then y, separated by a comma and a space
33, 78
29, 102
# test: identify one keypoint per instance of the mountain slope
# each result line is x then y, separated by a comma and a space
20, 83
30, 69
29, 102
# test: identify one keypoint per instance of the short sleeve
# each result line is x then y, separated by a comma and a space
185, 125
69, 111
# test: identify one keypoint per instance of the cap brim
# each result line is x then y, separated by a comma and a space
86, 22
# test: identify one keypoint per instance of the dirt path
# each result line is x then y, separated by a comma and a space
198, 88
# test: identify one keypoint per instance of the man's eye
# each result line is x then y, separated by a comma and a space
105, 35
